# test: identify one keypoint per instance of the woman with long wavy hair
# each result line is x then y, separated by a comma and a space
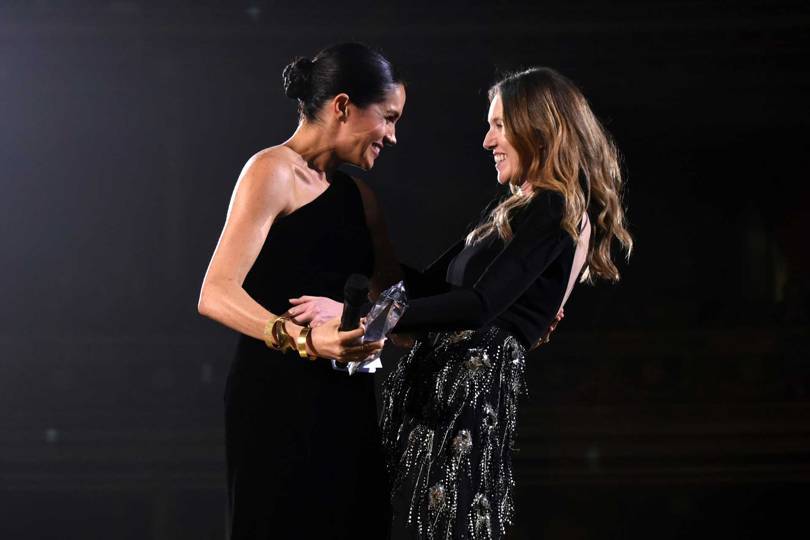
450, 405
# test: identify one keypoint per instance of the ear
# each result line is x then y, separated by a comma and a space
340, 107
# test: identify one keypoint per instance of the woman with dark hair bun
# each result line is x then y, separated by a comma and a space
302, 443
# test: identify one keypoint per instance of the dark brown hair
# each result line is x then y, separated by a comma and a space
562, 147
364, 74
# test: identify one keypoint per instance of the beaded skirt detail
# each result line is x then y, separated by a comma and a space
448, 427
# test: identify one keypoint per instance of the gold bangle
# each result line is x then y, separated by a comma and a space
301, 343
269, 338
283, 340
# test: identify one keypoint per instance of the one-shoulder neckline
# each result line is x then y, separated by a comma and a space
332, 181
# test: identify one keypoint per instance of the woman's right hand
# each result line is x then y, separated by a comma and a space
553, 326
314, 310
329, 342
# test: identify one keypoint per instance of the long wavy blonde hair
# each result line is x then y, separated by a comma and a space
562, 147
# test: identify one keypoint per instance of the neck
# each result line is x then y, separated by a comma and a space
524, 188
315, 145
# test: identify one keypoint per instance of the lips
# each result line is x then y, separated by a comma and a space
377, 147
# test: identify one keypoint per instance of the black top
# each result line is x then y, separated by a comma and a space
517, 285
291, 423
314, 249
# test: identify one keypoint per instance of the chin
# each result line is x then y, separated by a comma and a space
504, 176
364, 164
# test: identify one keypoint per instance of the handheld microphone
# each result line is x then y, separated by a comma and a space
355, 296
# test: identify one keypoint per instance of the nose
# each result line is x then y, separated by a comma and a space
391, 136
489, 140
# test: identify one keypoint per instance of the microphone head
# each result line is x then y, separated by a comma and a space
356, 289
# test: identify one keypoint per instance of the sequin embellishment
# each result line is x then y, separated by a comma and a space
448, 425
436, 496
478, 359
462, 443
480, 526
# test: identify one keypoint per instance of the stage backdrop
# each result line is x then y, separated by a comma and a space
672, 405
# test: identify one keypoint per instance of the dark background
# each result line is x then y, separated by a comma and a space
674, 405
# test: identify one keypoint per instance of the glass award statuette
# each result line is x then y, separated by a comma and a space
382, 318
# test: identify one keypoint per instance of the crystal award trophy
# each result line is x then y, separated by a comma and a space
382, 318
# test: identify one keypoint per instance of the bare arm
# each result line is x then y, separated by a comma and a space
262, 193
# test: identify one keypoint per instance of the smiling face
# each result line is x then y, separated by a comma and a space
504, 154
367, 130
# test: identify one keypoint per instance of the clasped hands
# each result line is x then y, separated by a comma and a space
323, 316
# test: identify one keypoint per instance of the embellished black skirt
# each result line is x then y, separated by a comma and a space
448, 426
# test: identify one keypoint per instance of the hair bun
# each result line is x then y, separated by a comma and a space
296, 78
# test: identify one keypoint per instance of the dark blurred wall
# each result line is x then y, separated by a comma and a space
674, 404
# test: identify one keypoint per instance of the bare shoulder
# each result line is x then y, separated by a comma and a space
272, 167
267, 178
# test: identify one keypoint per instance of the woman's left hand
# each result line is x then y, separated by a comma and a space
314, 310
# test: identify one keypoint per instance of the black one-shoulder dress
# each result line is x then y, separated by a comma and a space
303, 446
